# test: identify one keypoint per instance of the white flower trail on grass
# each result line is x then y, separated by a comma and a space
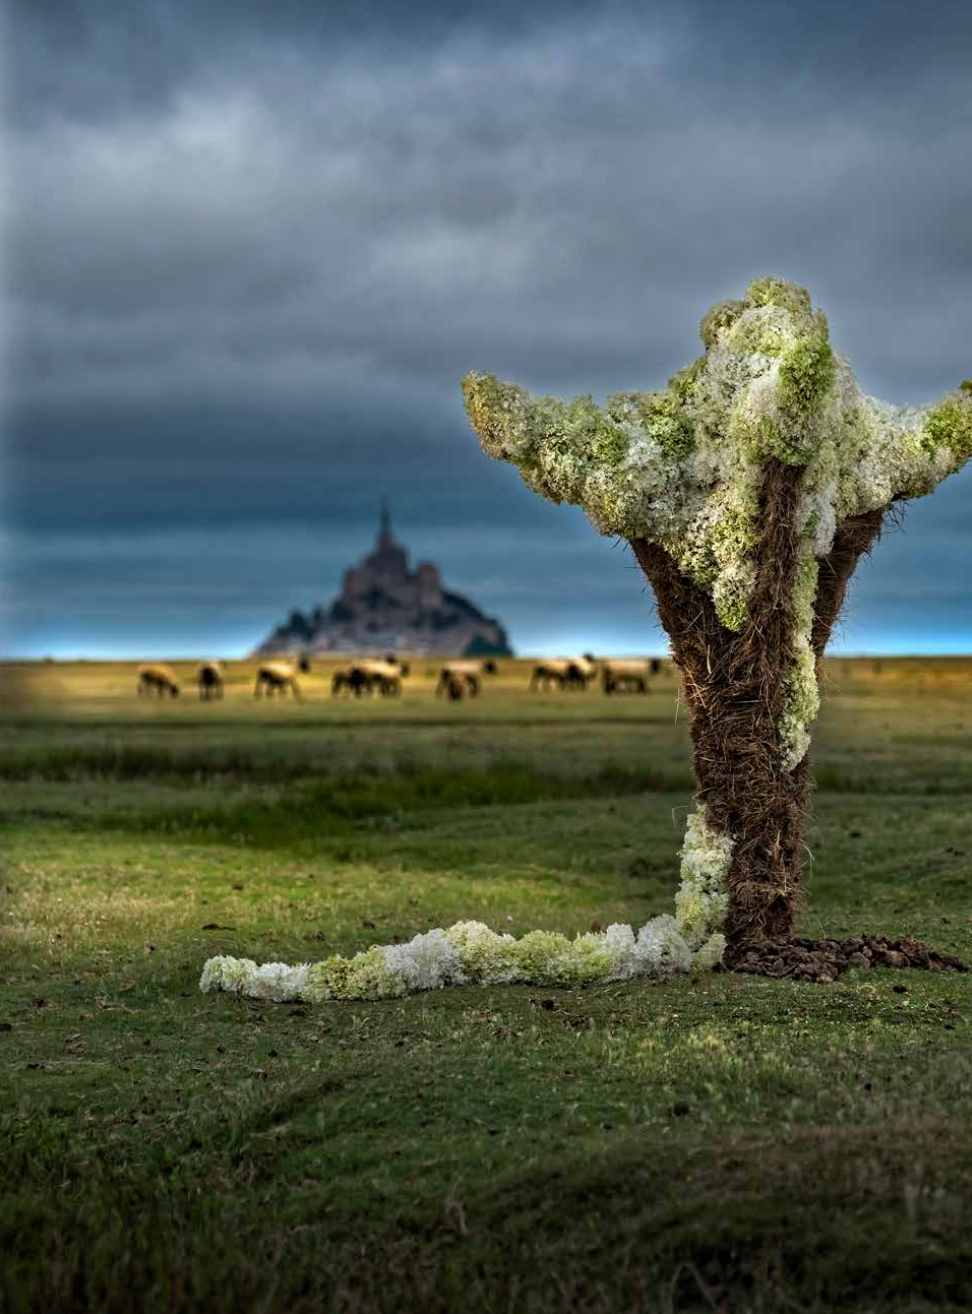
470, 953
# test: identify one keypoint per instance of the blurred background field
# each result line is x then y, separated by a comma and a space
887, 725
717, 1143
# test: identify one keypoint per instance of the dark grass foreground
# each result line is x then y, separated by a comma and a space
877, 1224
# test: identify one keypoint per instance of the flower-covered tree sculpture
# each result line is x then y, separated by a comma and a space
748, 489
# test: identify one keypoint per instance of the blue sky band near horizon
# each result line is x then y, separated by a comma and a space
248, 255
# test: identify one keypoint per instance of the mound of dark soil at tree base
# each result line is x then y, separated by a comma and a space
825, 960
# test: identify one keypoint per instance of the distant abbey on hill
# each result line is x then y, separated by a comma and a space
385, 607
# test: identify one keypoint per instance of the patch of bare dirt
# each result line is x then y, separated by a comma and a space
825, 960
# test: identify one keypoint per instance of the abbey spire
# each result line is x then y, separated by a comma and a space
385, 606
388, 564
384, 526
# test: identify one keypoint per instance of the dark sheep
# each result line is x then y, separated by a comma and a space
209, 677
158, 678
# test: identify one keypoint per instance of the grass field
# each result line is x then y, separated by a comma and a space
719, 1143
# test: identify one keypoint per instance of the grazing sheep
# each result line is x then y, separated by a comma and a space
378, 677
351, 680
550, 672
456, 688
627, 676
209, 677
580, 671
276, 677
157, 676
469, 673
369, 677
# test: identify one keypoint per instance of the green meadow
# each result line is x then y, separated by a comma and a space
711, 1143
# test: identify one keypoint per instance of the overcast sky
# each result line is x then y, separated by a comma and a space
249, 249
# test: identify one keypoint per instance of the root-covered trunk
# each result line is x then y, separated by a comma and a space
734, 684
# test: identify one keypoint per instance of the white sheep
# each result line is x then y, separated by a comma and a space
625, 674
276, 677
581, 671
467, 673
546, 673
384, 677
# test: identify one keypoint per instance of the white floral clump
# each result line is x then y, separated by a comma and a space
487, 958
661, 949
225, 973
426, 962
536, 954
710, 953
683, 468
365, 976
620, 941
801, 696
549, 958
277, 982
702, 898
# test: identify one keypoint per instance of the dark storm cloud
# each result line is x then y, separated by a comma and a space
250, 249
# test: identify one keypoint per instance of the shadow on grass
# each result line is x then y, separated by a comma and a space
332, 805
